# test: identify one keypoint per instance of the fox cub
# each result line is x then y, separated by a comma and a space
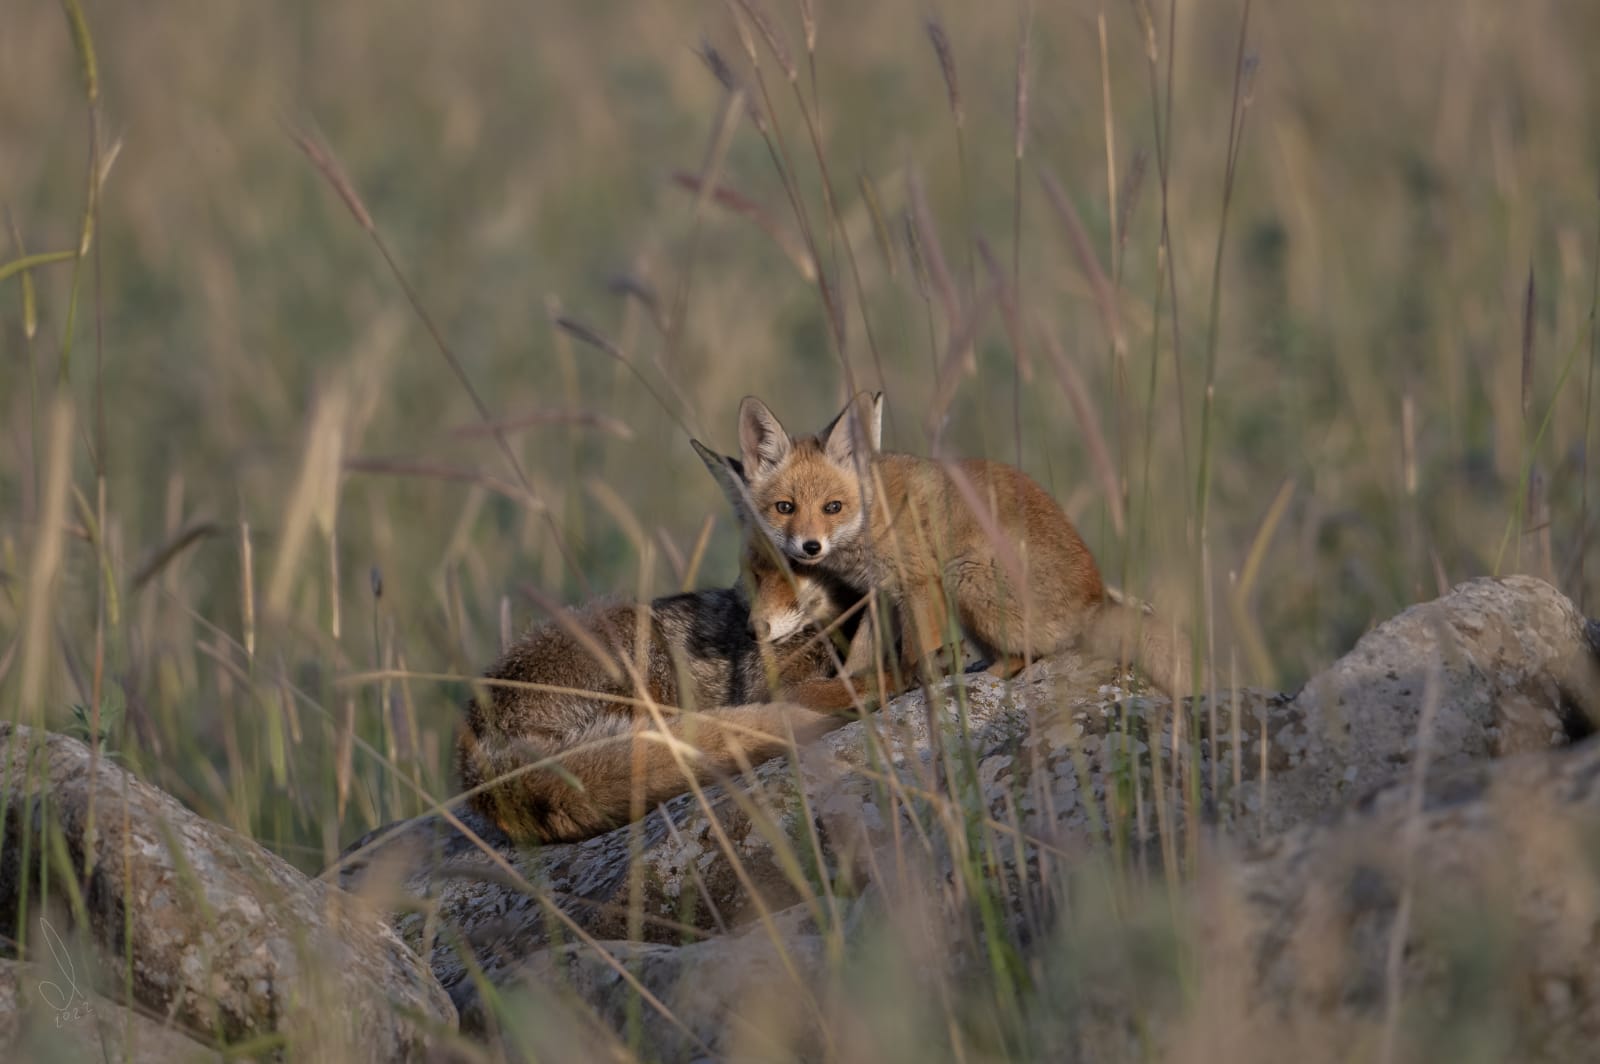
589, 676
977, 536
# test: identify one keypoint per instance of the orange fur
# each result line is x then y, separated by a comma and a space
973, 542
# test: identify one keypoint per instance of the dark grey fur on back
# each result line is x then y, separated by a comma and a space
718, 660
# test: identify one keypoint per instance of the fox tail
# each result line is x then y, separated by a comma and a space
1126, 630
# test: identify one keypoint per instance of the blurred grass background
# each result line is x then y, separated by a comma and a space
1403, 174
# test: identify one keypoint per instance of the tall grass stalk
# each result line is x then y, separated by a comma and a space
736, 203
1019, 143
1113, 214
944, 52
1243, 88
716, 155
44, 573
839, 237
1165, 288
1525, 505
1525, 478
24, 264
1588, 409
744, 12
1118, 348
30, 478
579, 331
38, 628
1161, 110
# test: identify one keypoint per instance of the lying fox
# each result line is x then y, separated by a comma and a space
974, 535
596, 671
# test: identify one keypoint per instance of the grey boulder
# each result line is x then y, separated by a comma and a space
224, 938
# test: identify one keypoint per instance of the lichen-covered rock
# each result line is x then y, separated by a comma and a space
46, 1016
223, 936
1061, 758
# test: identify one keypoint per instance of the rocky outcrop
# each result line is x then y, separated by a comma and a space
1513, 667
1390, 863
1466, 915
1057, 761
1332, 889
202, 925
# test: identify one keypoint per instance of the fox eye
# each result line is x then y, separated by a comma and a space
832, 507
784, 507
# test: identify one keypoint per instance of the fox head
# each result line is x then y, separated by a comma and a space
782, 601
807, 493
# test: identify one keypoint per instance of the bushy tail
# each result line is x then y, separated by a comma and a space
521, 804
1127, 630
602, 774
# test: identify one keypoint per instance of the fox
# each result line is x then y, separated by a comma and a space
577, 690
972, 537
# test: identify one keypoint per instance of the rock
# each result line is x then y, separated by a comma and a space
224, 937
1062, 755
692, 870
551, 1004
44, 1015
1516, 670
1484, 900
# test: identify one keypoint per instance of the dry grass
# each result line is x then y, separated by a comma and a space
1388, 390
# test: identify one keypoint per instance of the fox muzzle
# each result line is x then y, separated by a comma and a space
806, 551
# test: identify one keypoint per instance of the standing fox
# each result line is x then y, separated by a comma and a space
1019, 577
579, 688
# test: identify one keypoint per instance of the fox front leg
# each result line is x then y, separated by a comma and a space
872, 646
924, 623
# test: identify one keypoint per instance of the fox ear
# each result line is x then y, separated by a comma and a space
728, 472
857, 431
762, 438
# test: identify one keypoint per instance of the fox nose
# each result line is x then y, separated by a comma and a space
811, 547
760, 630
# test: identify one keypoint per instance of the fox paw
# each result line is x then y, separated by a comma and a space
945, 661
